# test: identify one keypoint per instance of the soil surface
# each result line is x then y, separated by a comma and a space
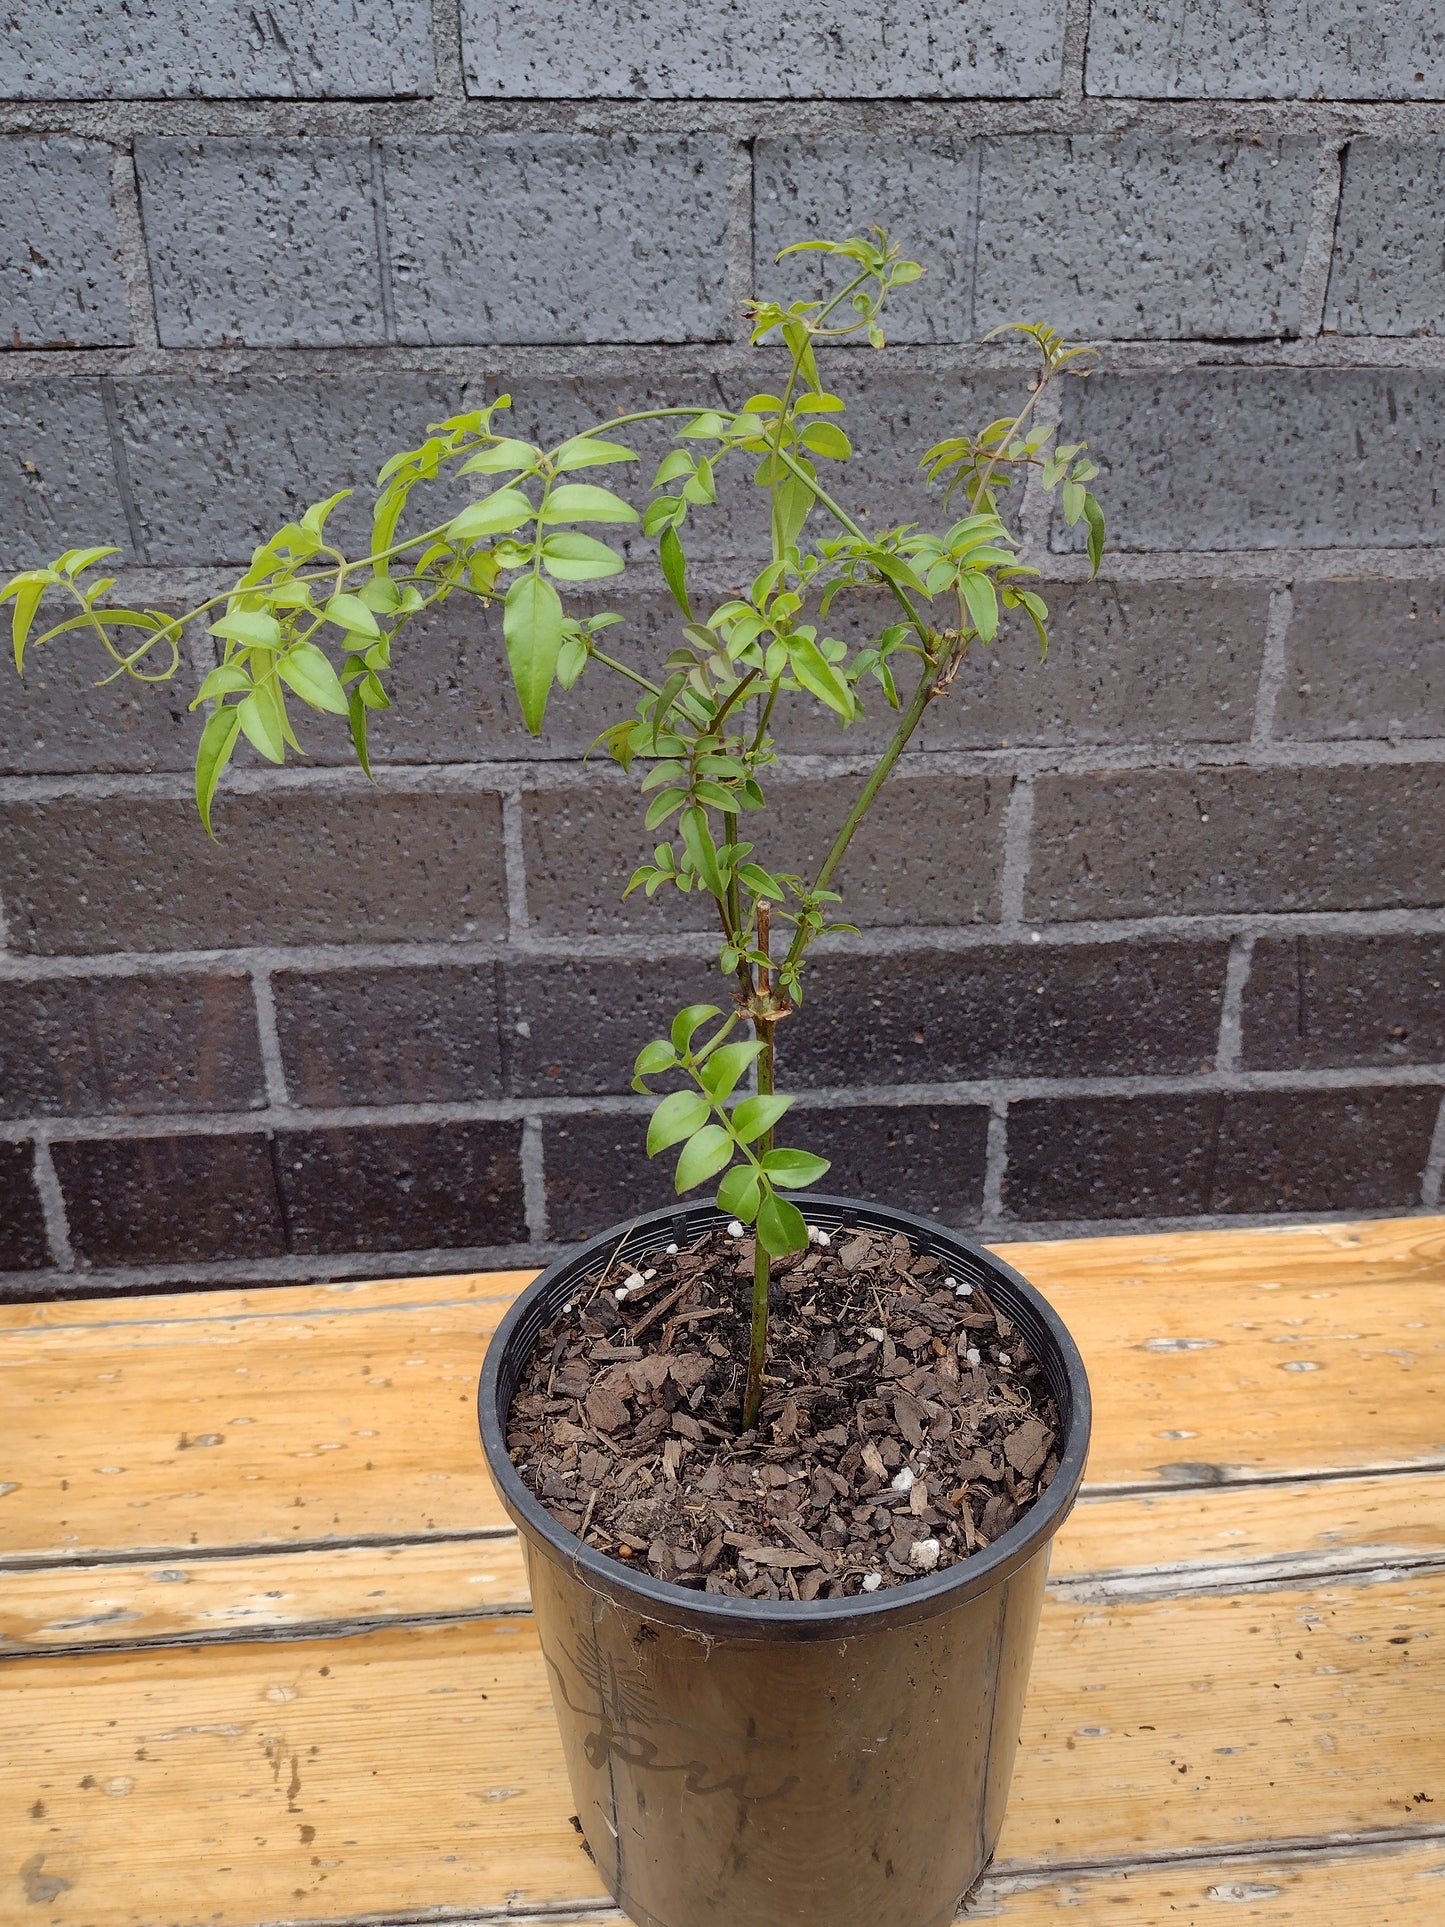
905, 1423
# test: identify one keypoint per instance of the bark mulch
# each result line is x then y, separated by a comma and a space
905, 1422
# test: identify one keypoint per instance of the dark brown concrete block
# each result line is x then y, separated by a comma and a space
1036, 1010
402, 1187
926, 1158
407, 1035
83, 1046
23, 1243
1364, 659
290, 867
1180, 842
1315, 1002
170, 1200
574, 1029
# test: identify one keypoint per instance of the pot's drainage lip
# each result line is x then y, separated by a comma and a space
789, 1618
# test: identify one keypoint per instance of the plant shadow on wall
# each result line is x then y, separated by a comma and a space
308, 622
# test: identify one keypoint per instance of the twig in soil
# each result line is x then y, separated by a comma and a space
664, 1304
602, 1280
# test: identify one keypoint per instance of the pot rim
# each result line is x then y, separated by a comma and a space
721, 1614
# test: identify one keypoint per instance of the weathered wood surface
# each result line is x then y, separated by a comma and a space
341, 1712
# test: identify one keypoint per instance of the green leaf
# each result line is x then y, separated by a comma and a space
674, 568
380, 593
780, 1226
817, 675
261, 723
739, 1192
532, 625
496, 514
218, 739
760, 882
590, 451
1094, 516
707, 1151
678, 1115
506, 457
654, 1057
571, 661
794, 1169
350, 613
663, 805
792, 500
755, 1115
314, 520
356, 708
27, 590
573, 557
1074, 494
253, 627
586, 502
982, 600
229, 680
688, 1022
701, 848
827, 439
726, 1065
309, 672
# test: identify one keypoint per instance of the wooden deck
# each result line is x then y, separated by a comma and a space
268, 1656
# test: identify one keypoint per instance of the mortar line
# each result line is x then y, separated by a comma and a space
448, 60
120, 462
1434, 1175
269, 1038
1272, 666
995, 1160
134, 255
1319, 249
740, 278
1017, 850
514, 861
52, 1204
534, 1179
1231, 1007
383, 239
1075, 50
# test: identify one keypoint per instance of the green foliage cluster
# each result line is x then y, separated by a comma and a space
307, 624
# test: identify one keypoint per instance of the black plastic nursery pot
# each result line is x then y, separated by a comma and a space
835, 1763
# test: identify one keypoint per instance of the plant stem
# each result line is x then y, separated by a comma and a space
764, 1023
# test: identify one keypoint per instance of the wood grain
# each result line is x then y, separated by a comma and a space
336, 1413
419, 1768
1155, 1543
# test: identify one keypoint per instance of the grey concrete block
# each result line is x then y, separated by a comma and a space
1314, 1003
925, 1158
1251, 1151
290, 867
23, 1243
1263, 458
86, 1046
170, 1200
1025, 1010
1385, 276
930, 851
574, 1029
1298, 50
262, 244
1133, 236
218, 464
289, 49
61, 284
402, 1187
537, 237
1190, 842
1128, 662
1364, 659
415, 1035
63, 717
57, 479
748, 50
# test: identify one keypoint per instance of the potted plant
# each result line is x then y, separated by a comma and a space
786, 1466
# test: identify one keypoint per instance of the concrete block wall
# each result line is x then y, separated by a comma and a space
1154, 932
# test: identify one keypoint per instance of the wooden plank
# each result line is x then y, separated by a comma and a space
1370, 1886
268, 1301
65, 1608
1217, 1355
1151, 1543
409, 1769
1214, 1355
